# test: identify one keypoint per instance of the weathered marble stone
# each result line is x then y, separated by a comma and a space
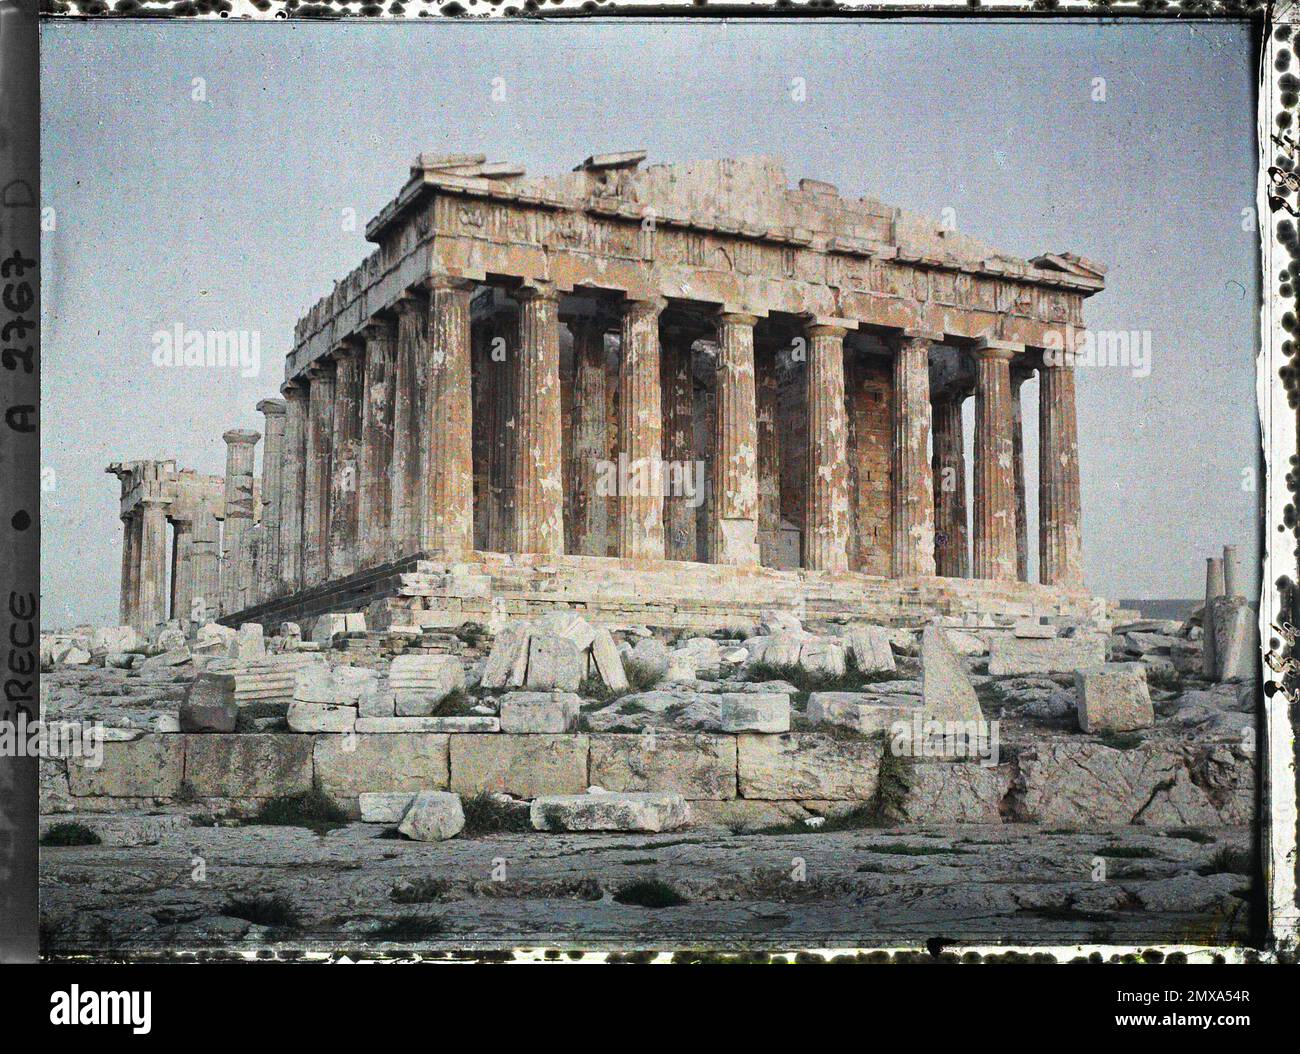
248, 766
419, 683
609, 812
608, 663
433, 816
823, 657
151, 766
212, 638
347, 766
869, 646
693, 765
165, 660
209, 704
754, 712
955, 792
508, 650
329, 626
460, 724
1032, 629
652, 656
249, 643
1113, 698
1236, 640
800, 765
946, 690
1011, 655
321, 717
383, 807
523, 766
534, 712
117, 639
555, 663
322, 685
861, 712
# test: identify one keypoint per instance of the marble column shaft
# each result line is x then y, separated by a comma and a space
589, 449
911, 481
1018, 378
640, 435
952, 535
205, 600
404, 474
1060, 550
503, 372
153, 564
182, 569
317, 475
129, 607
826, 514
734, 519
995, 492
677, 387
447, 519
241, 447
537, 520
289, 573
1215, 587
273, 457
373, 497
767, 414
344, 463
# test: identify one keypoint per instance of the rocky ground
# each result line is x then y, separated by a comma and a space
289, 887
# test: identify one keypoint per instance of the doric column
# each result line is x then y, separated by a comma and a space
1060, 552
268, 563
1214, 588
1018, 378
503, 366
153, 563
345, 462
995, 492
182, 569
826, 514
733, 535
205, 600
589, 449
677, 387
483, 385
249, 556
240, 453
129, 606
911, 483
447, 422
291, 483
538, 517
373, 499
316, 478
404, 473
640, 508
952, 536
767, 396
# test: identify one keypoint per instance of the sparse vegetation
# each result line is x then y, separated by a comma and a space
409, 928
420, 891
484, 814
274, 912
457, 703
649, 893
1126, 852
805, 682
902, 849
66, 834
314, 810
1164, 678
1229, 861
640, 677
1191, 834
594, 688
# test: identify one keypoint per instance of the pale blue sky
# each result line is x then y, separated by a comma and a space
228, 213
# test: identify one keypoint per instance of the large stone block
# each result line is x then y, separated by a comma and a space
869, 646
609, 812
209, 704
433, 816
1015, 655
347, 766
523, 766
608, 662
956, 792
555, 663
539, 712
946, 690
384, 808
248, 766
807, 765
313, 717
863, 712
1113, 698
754, 712
509, 650
151, 766
694, 766
1236, 640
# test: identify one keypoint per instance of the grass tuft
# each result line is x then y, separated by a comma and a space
274, 912
1191, 834
485, 815
69, 834
1229, 861
1126, 852
457, 703
420, 891
313, 809
409, 928
640, 677
649, 893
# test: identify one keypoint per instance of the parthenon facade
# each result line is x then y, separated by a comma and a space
680, 385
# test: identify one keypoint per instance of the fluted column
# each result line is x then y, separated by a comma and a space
345, 462
538, 515
952, 536
767, 413
677, 387
640, 435
734, 520
911, 482
995, 492
826, 513
291, 483
1060, 548
589, 449
205, 600
240, 454
153, 563
503, 363
404, 481
316, 479
1018, 378
373, 497
268, 563
129, 606
182, 569
447, 421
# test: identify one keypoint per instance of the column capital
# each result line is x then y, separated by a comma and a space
271, 407
991, 348
644, 308
347, 348
182, 524
294, 387
738, 318
406, 304
535, 290
930, 336
377, 327
449, 282
239, 436
820, 326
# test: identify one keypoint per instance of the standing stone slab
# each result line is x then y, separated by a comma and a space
1236, 640
538, 712
209, 704
412, 762
755, 712
946, 690
433, 816
510, 644
523, 766
248, 766
555, 663
807, 765
609, 812
151, 766
1015, 655
694, 766
869, 646
1113, 698
608, 662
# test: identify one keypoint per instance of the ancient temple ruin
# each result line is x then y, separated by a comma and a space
673, 394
